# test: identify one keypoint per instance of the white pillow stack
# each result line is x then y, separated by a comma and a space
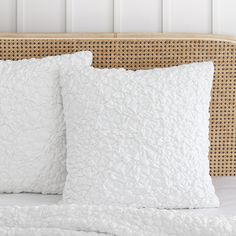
133, 138
139, 138
32, 130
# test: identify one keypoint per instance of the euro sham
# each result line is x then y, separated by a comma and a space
138, 139
32, 129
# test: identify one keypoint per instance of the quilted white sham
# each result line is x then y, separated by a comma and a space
32, 130
139, 138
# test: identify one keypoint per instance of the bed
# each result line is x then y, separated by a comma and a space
36, 214
225, 190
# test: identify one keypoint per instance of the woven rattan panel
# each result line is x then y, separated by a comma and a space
150, 53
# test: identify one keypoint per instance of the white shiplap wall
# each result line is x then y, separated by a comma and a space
201, 16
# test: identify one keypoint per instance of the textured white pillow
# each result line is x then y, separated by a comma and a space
138, 138
32, 130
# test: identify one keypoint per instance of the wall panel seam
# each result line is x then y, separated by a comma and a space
116, 16
166, 16
216, 26
19, 16
69, 16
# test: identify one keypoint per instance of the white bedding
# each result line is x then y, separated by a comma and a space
32, 130
28, 199
38, 215
132, 133
68, 220
225, 189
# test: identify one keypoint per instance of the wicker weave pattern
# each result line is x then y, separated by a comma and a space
150, 53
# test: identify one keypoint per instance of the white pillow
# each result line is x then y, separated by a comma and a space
32, 130
138, 138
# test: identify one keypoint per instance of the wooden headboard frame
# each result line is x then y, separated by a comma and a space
143, 51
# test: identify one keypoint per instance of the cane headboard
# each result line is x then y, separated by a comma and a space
149, 51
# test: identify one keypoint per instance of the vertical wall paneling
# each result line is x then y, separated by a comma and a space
116, 15
69, 16
195, 16
7, 15
92, 16
141, 15
215, 16
41, 16
187, 16
166, 15
224, 19
19, 15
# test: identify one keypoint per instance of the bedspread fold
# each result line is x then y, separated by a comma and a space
74, 220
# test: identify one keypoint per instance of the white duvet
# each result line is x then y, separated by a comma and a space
90, 220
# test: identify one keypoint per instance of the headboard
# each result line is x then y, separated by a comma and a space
136, 51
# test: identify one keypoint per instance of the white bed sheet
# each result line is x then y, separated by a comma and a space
225, 187
225, 190
28, 199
